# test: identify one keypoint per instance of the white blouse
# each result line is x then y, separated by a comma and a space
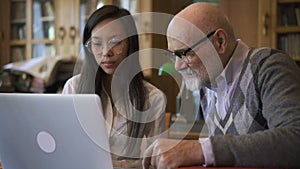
116, 121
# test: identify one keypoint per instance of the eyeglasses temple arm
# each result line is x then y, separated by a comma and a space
200, 41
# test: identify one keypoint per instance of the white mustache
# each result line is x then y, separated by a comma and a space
187, 72
191, 78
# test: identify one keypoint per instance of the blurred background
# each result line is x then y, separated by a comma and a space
41, 39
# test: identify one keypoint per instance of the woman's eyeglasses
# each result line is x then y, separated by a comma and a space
97, 46
184, 53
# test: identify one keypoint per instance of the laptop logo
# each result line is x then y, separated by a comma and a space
46, 142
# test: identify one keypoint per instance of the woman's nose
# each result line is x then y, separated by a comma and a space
180, 64
106, 50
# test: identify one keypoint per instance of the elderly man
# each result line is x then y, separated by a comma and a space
250, 97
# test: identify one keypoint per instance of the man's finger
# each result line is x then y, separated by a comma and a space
147, 156
146, 162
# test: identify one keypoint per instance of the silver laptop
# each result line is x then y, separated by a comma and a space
53, 131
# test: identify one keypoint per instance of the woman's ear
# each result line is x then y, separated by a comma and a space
221, 42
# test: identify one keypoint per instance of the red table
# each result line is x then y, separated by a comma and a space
201, 167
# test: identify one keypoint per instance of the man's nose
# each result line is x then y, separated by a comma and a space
180, 64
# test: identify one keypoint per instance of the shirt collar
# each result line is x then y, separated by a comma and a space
233, 67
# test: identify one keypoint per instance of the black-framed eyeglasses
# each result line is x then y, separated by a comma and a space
182, 53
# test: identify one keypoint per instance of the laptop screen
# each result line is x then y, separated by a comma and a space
47, 131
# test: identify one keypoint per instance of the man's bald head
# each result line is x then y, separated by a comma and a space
205, 17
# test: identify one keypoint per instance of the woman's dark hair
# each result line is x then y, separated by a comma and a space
92, 74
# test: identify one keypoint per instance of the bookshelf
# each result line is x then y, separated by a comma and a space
43, 28
3, 35
17, 32
287, 23
31, 27
280, 26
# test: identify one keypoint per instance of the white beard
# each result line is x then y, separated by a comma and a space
191, 78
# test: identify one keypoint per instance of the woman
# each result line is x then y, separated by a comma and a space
133, 108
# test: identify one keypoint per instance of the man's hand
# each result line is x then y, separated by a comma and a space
170, 154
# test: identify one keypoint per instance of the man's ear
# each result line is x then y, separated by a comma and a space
221, 42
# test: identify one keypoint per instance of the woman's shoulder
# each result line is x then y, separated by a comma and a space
153, 90
71, 85
149, 86
73, 80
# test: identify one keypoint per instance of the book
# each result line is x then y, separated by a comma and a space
14, 32
48, 9
17, 54
22, 32
297, 11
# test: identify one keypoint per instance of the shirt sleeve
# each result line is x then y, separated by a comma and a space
207, 151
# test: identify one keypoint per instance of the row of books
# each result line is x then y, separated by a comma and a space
43, 50
18, 31
17, 53
290, 44
289, 15
18, 9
